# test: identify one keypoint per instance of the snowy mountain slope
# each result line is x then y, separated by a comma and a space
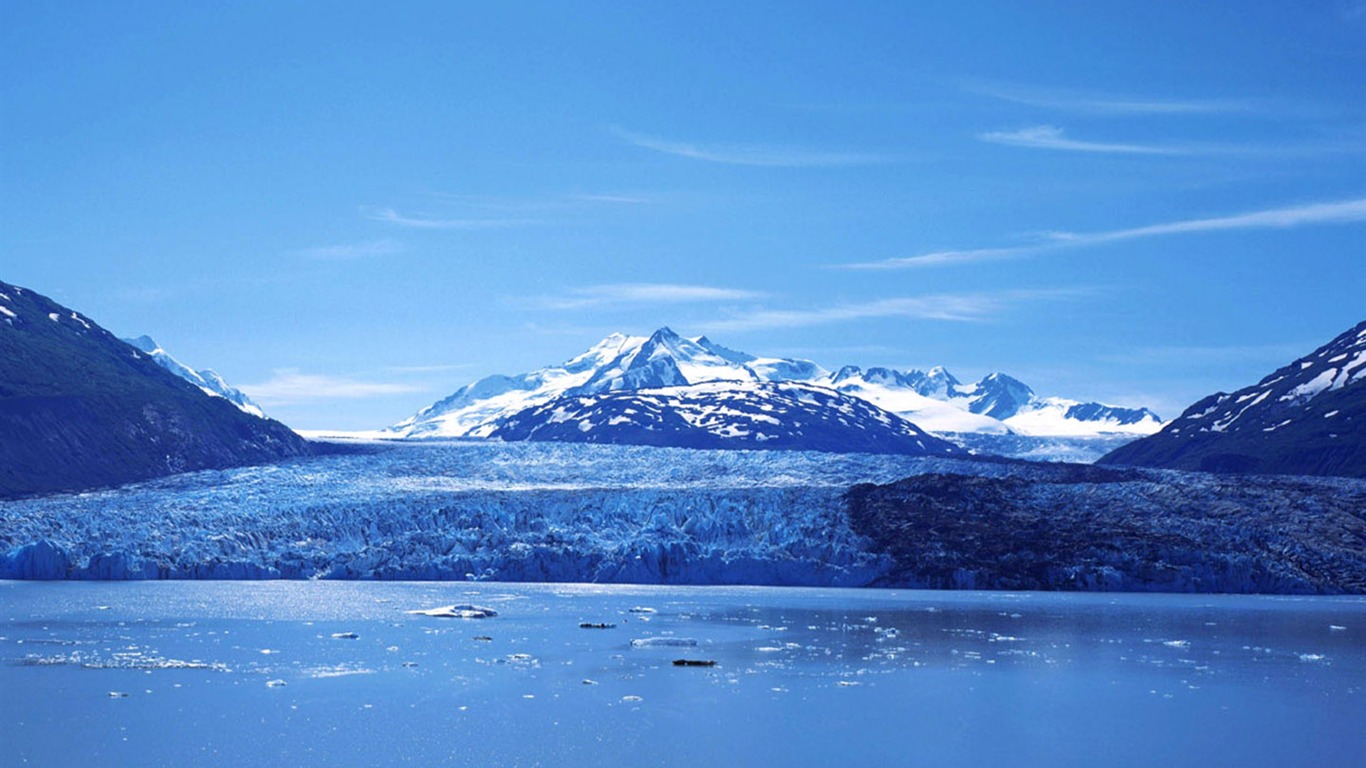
665, 359
617, 363
900, 394
207, 379
470, 410
1060, 417
933, 399
1308, 417
1011, 401
81, 409
721, 414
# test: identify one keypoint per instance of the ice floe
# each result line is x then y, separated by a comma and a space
457, 612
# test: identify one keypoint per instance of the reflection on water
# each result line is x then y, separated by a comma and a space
339, 673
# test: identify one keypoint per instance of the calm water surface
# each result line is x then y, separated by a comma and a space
236, 673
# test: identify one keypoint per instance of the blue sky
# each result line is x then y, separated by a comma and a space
351, 209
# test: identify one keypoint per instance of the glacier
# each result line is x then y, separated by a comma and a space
472, 510
486, 510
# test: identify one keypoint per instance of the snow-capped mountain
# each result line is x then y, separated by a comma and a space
724, 414
207, 379
911, 396
617, 363
934, 400
996, 405
1306, 418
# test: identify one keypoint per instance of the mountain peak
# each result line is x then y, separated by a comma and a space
144, 343
1000, 396
207, 379
847, 372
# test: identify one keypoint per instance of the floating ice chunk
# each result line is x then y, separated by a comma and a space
664, 642
345, 636
458, 612
339, 670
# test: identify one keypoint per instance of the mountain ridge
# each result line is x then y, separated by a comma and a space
934, 400
1305, 418
207, 379
81, 409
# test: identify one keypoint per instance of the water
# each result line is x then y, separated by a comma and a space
235, 673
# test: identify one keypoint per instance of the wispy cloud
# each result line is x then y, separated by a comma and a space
1092, 102
423, 221
349, 251
961, 307
475, 212
612, 199
1340, 212
1053, 137
753, 154
288, 386
641, 293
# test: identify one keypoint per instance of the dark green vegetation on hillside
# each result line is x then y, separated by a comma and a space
81, 409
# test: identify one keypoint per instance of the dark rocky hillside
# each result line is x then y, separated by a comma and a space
1079, 527
1308, 418
81, 409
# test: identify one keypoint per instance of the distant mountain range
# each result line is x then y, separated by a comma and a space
81, 409
1307, 418
206, 379
934, 400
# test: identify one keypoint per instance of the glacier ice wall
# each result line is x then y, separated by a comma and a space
470, 510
